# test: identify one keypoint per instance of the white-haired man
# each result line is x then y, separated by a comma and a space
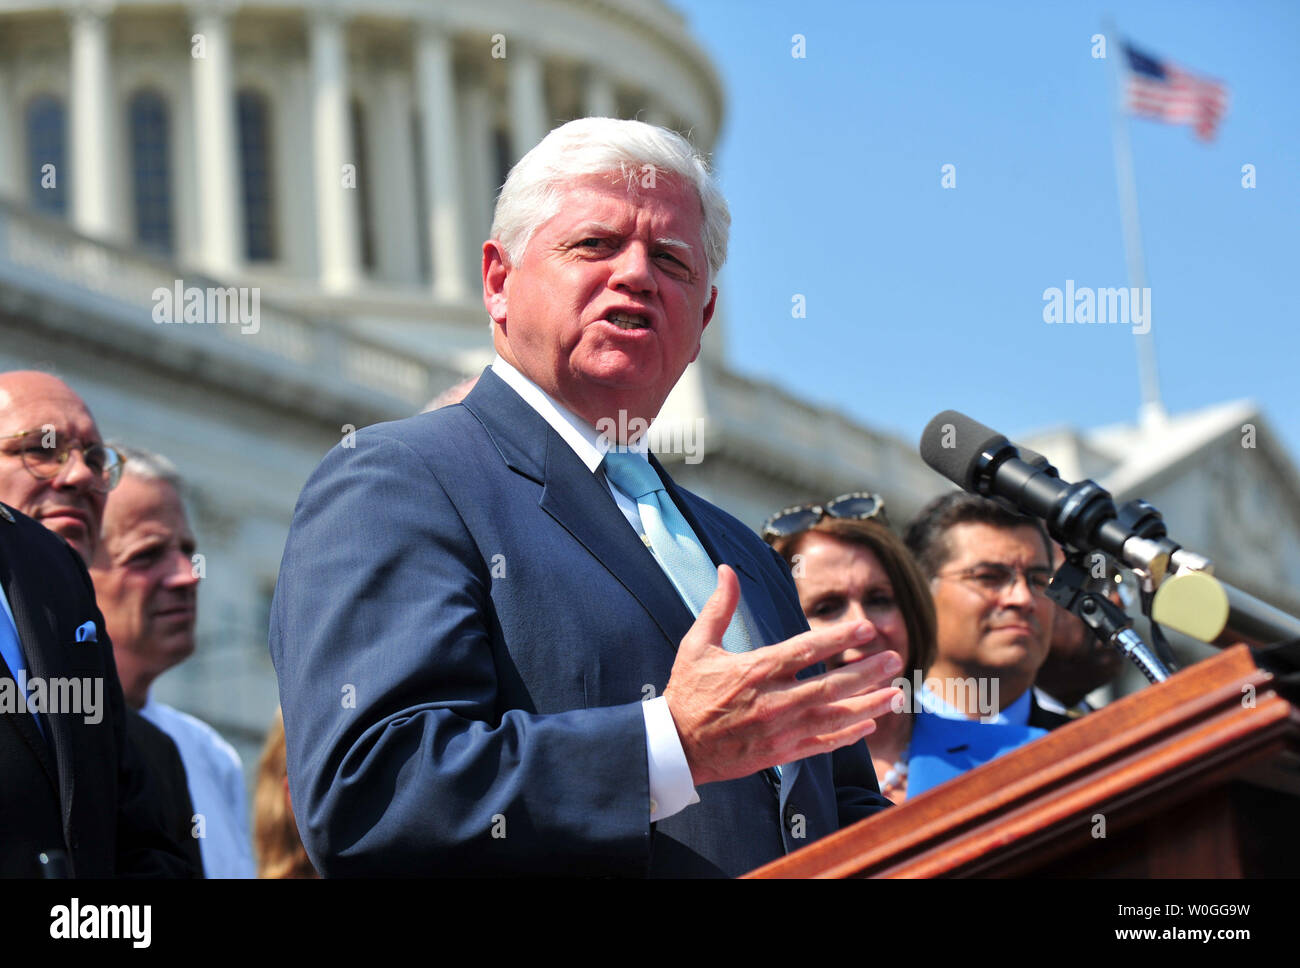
147, 588
506, 641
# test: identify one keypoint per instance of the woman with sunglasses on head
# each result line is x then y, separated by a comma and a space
849, 566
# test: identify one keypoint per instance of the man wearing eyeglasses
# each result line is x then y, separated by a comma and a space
55, 467
75, 794
989, 570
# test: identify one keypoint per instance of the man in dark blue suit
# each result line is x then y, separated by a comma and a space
506, 641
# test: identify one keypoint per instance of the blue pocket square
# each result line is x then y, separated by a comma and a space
86, 632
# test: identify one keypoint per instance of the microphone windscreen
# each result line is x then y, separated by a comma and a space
952, 444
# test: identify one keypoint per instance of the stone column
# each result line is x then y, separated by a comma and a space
480, 166
217, 160
93, 160
599, 100
657, 115
397, 246
11, 162
336, 206
436, 93
529, 119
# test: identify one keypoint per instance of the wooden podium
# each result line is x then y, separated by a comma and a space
1196, 777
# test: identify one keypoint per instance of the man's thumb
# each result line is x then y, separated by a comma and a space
716, 614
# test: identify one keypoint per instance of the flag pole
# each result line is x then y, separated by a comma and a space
1153, 411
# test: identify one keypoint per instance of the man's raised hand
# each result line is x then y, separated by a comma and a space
737, 714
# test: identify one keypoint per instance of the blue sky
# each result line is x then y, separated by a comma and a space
920, 298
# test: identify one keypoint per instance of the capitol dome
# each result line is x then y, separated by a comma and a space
337, 164
349, 149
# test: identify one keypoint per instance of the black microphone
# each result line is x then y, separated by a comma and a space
1037, 460
1081, 516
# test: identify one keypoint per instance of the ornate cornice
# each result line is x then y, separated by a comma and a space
102, 296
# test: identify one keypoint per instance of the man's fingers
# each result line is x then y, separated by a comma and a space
850, 691
853, 679
871, 705
801, 651
847, 721
830, 742
716, 614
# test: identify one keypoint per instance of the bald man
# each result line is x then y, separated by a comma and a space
76, 798
45, 426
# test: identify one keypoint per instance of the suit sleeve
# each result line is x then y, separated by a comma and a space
402, 760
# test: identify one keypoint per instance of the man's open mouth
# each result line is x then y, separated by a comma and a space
628, 320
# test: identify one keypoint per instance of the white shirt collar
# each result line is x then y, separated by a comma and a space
1049, 703
588, 443
1016, 714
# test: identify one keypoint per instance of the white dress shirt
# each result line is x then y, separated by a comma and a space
671, 787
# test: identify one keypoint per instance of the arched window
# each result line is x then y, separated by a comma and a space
47, 150
365, 212
151, 177
254, 119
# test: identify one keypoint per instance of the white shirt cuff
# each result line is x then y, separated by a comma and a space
671, 788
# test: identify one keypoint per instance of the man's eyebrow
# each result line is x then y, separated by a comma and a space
131, 547
604, 227
674, 244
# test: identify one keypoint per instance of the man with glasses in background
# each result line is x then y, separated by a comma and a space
57, 470
989, 569
76, 798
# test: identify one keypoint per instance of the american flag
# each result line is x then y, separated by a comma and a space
1165, 92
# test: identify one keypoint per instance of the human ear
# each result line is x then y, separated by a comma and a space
708, 316
496, 271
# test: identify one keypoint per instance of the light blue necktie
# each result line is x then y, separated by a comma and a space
13, 656
680, 553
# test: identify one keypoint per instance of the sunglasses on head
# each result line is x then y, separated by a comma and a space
858, 506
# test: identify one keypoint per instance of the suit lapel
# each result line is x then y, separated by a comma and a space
581, 503
578, 500
724, 549
34, 628
1043, 718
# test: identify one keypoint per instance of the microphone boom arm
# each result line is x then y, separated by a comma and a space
1108, 621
